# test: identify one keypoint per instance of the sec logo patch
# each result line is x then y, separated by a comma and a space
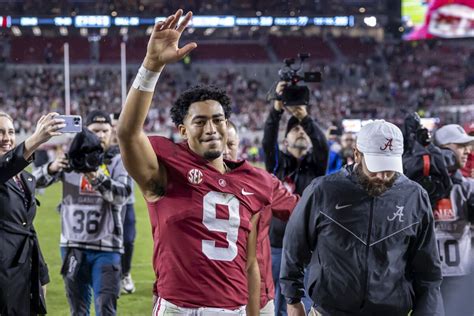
195, 176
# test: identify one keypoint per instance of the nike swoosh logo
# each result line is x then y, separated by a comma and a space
246, 193
338, 207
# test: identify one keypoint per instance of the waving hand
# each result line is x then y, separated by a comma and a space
163, 47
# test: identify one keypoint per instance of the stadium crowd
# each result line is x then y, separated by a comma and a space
362, 239
395, 78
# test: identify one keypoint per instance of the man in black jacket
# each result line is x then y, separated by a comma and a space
366, 235
296, 167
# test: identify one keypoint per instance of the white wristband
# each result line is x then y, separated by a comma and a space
146, 80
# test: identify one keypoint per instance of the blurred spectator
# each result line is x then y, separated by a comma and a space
468, 170
419, 77
347, 148
335, 158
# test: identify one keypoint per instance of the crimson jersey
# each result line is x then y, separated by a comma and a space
201, 226
282, 205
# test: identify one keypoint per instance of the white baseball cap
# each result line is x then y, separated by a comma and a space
381, 143
452, 134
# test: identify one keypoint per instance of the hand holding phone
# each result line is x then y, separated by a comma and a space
73, 123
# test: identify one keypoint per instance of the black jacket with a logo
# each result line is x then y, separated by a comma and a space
287, 168
22, 268
364, 255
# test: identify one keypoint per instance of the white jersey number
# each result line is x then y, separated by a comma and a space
229, 226
85, 223
86, 220
454, 252
449, 254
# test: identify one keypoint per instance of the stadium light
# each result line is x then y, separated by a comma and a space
150, 29
36, 31
62, 21
16, 31
198, 21
127, 21
63, 31
83, 21
370, 21
209, 31
28, 21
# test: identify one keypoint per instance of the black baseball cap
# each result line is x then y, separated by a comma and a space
98, 116
292, 122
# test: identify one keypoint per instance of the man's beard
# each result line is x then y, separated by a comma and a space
374, 186
211, 155
300, 144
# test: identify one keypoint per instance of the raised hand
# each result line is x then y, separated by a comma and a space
299, 111
47, 127
162, 47
278, 104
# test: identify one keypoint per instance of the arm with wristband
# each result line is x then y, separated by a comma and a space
137, 153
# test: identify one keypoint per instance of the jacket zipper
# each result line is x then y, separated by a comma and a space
367, 249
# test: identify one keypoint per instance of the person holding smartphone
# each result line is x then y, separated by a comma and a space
23, 271
92, 230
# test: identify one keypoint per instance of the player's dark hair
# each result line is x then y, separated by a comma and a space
196, 94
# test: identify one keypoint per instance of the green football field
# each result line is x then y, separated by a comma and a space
47, 224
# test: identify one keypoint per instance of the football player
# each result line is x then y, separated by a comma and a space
264, 255
203, 211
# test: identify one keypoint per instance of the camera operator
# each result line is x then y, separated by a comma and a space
296, 166
452, 226
94, 192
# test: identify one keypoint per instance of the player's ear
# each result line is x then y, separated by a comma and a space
182, 131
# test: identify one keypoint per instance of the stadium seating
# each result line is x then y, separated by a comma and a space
290, 46
39, 49
376, 81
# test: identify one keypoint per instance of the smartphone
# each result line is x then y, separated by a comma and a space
73, 123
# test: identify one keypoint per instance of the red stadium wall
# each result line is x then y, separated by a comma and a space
33, 49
